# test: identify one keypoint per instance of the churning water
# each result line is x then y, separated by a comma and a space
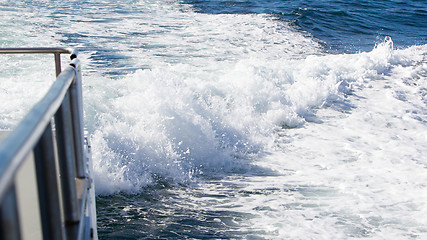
236, 119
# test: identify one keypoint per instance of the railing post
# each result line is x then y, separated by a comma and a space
9, 218
77, 116
50, 208
57, 63
65, 140
63, 202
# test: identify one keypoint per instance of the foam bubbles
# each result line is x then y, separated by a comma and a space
301, 141
178, 122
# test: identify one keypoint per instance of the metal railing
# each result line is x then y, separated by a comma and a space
55, 51
52, 132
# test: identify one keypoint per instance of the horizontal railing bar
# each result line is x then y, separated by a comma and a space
40, 50
22, 140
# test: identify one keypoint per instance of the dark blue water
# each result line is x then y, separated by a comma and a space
349, 26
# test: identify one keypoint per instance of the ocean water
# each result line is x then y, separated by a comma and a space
240, 119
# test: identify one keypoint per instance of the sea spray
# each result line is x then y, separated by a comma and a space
280, 136
165, 122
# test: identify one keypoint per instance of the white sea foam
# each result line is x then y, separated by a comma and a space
205, 102
178, 121
345, 133
242, 96
365, 167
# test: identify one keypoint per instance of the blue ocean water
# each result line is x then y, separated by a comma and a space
345, 26
243, 119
